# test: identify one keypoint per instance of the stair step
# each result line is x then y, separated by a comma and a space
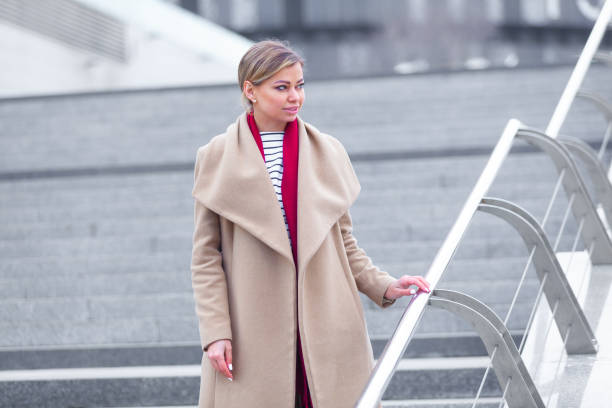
116, 355
393, 251
423, 403
179, 384
55, 193
483, 402
139, 375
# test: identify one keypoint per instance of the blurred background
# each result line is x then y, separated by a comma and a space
72, 45
104, 103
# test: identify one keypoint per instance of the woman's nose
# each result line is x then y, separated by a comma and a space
293, 95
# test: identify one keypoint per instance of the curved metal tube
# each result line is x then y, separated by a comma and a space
594, 232
569, 314
496, 322
596, 170
505, 358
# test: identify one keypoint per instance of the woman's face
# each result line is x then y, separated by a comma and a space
278, 99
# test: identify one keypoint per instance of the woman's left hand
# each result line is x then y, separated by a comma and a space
402, 287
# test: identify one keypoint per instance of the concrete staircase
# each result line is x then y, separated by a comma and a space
96, 305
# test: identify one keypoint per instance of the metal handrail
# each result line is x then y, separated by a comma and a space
391, 355
404, 331
579, 72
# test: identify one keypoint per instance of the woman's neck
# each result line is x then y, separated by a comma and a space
268, 126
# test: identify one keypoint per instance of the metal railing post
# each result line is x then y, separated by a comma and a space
556, 286
581, 204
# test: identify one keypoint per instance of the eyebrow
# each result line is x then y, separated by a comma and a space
287, 82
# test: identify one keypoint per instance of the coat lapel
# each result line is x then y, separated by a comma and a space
232, 180
327, 187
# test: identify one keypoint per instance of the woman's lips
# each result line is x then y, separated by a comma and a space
291, 110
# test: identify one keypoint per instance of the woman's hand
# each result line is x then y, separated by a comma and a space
401, 287
220, 356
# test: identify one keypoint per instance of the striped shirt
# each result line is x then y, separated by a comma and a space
273, 151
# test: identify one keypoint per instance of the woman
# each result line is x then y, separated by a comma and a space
275, 267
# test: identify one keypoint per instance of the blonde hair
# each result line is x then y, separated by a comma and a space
262, 61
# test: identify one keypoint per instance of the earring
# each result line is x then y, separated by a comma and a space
254, 100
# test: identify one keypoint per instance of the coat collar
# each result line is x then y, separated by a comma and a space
231, 179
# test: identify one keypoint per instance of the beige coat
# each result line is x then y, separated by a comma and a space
244, 278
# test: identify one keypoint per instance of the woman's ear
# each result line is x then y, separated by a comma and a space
247, 88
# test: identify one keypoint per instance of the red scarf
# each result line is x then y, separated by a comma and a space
290, 172
289, 189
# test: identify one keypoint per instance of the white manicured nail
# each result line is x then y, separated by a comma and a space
229, 379
412, 291
230, 367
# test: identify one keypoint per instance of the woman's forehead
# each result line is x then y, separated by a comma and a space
291, 73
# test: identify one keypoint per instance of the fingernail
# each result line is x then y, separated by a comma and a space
412, 291
230, 367
229, 379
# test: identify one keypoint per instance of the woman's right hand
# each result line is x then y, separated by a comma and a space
220, 356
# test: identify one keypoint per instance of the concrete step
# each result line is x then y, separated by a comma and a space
66, 229
163, 385
369, 219
88, 308
178, 191
70, 247
163, 316
373, 212
391, 251
84, 211
90, 264
502, 246
47, 283
111, 331
386, 184
474, 115
367, 233
109, 264
425, 217
433, 172
107, 301
124, 284
382, 323
188, 353
108, 319
430, 174
463, 270
483, 402
123, 376
160, 318
426, 403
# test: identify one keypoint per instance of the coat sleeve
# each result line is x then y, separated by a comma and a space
208, 277
370, 279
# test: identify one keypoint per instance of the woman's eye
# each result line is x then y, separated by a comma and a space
283, 87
